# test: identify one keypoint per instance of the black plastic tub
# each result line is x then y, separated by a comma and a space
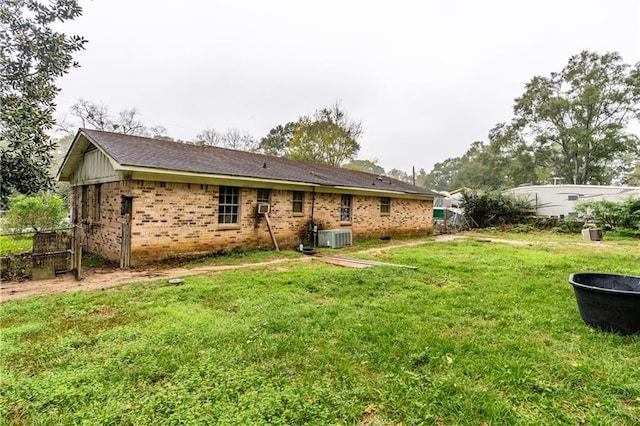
609, 302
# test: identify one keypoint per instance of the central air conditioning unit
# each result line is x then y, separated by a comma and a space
334, 238
263, 208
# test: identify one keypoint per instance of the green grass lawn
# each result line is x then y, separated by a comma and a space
553, 236
480, 333
16, 245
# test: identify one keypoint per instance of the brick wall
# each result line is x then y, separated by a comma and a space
175, 219
102, 235
405, 217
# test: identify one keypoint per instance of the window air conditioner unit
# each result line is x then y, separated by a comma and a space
334, 238
263, 208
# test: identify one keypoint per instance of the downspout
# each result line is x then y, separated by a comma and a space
314, 229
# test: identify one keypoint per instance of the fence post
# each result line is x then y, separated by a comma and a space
76, 243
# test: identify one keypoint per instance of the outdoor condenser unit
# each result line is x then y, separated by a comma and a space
263, 208
334, 238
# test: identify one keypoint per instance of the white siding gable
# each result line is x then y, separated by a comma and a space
94, 168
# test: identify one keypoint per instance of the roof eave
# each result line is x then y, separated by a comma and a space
147, 173
383, 192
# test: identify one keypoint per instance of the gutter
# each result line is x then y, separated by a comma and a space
143, 173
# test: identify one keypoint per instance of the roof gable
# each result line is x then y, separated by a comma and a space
126, 151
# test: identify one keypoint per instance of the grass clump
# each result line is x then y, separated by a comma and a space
479, 333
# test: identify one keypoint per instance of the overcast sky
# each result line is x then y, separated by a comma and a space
426, 78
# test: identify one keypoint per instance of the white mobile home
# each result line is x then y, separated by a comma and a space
560, 200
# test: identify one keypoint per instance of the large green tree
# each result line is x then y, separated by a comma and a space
502, 163
443, 174
369, 166
572, 125
577, 120
400, 175
634, 177
32, 57
329, 136
37, 212
278, 141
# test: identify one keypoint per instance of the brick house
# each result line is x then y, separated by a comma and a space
140, 199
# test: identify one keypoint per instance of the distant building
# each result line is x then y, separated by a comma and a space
560, 200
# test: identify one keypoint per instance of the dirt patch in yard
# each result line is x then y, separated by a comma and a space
105, 277
102, 278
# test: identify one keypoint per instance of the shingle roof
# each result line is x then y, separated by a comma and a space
144, 152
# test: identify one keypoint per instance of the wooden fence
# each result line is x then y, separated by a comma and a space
52, 250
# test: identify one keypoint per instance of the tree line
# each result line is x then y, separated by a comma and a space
573, 126
328, 136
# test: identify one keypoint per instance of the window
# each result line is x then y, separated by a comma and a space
345, 208
264, 196
97, 204
85, 202
298, 201
228, 204
385, 205
127, 206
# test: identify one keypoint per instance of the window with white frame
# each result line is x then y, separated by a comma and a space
264, 196
298, 201
229, 205
345, 208
385, 205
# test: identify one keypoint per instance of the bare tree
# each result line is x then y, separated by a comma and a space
159, 132
239, 140
92, 114
66, 125
129, 123
233, 138
209, 137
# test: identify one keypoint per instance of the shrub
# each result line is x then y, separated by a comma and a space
628, 232
522, 229
611, 214
495, 209
39, 212
571, 226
